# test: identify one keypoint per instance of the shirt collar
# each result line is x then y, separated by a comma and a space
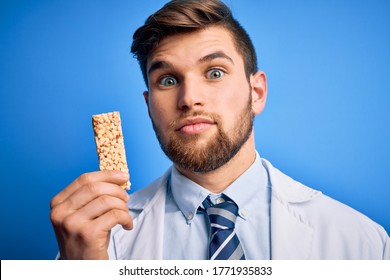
254, 181
188, 195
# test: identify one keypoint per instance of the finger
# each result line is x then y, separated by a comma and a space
100, 206
112, 218
85, 195
91, 191
93, 232
109, 176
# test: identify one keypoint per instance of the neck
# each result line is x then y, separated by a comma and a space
218, 180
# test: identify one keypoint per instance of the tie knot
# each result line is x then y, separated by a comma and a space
222, 215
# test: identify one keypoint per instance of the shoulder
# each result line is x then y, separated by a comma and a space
332, 221
332, 214
339, 224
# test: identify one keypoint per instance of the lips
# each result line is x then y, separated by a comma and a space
194, 125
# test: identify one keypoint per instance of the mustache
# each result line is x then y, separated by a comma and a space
214, 117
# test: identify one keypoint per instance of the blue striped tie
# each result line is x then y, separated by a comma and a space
224, 243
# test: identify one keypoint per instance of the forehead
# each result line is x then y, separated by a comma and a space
190, 47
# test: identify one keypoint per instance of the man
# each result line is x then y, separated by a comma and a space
219, 200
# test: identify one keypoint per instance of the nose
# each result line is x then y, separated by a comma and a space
190, 95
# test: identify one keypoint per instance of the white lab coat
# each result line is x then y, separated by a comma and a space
305, 224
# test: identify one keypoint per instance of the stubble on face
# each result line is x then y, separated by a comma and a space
187, 154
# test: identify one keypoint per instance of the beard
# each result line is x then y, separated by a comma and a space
220, 149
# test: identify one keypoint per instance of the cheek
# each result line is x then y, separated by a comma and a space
235, 98
160, 113
233, 106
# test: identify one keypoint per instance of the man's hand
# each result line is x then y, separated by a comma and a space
85, 211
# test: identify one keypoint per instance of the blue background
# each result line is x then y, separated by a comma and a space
326, 122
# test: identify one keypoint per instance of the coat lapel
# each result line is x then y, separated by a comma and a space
142, 243
291, 233
291, 237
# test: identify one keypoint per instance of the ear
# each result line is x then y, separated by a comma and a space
258, 83
146, 97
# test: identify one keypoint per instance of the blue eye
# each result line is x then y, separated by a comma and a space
168, 81
215, 74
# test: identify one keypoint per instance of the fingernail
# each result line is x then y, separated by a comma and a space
121, 175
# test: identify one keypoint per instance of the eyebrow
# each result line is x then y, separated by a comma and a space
215, 55
159, 64
162, 64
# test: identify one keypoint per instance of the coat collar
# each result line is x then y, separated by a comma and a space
287, 189
140, 200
